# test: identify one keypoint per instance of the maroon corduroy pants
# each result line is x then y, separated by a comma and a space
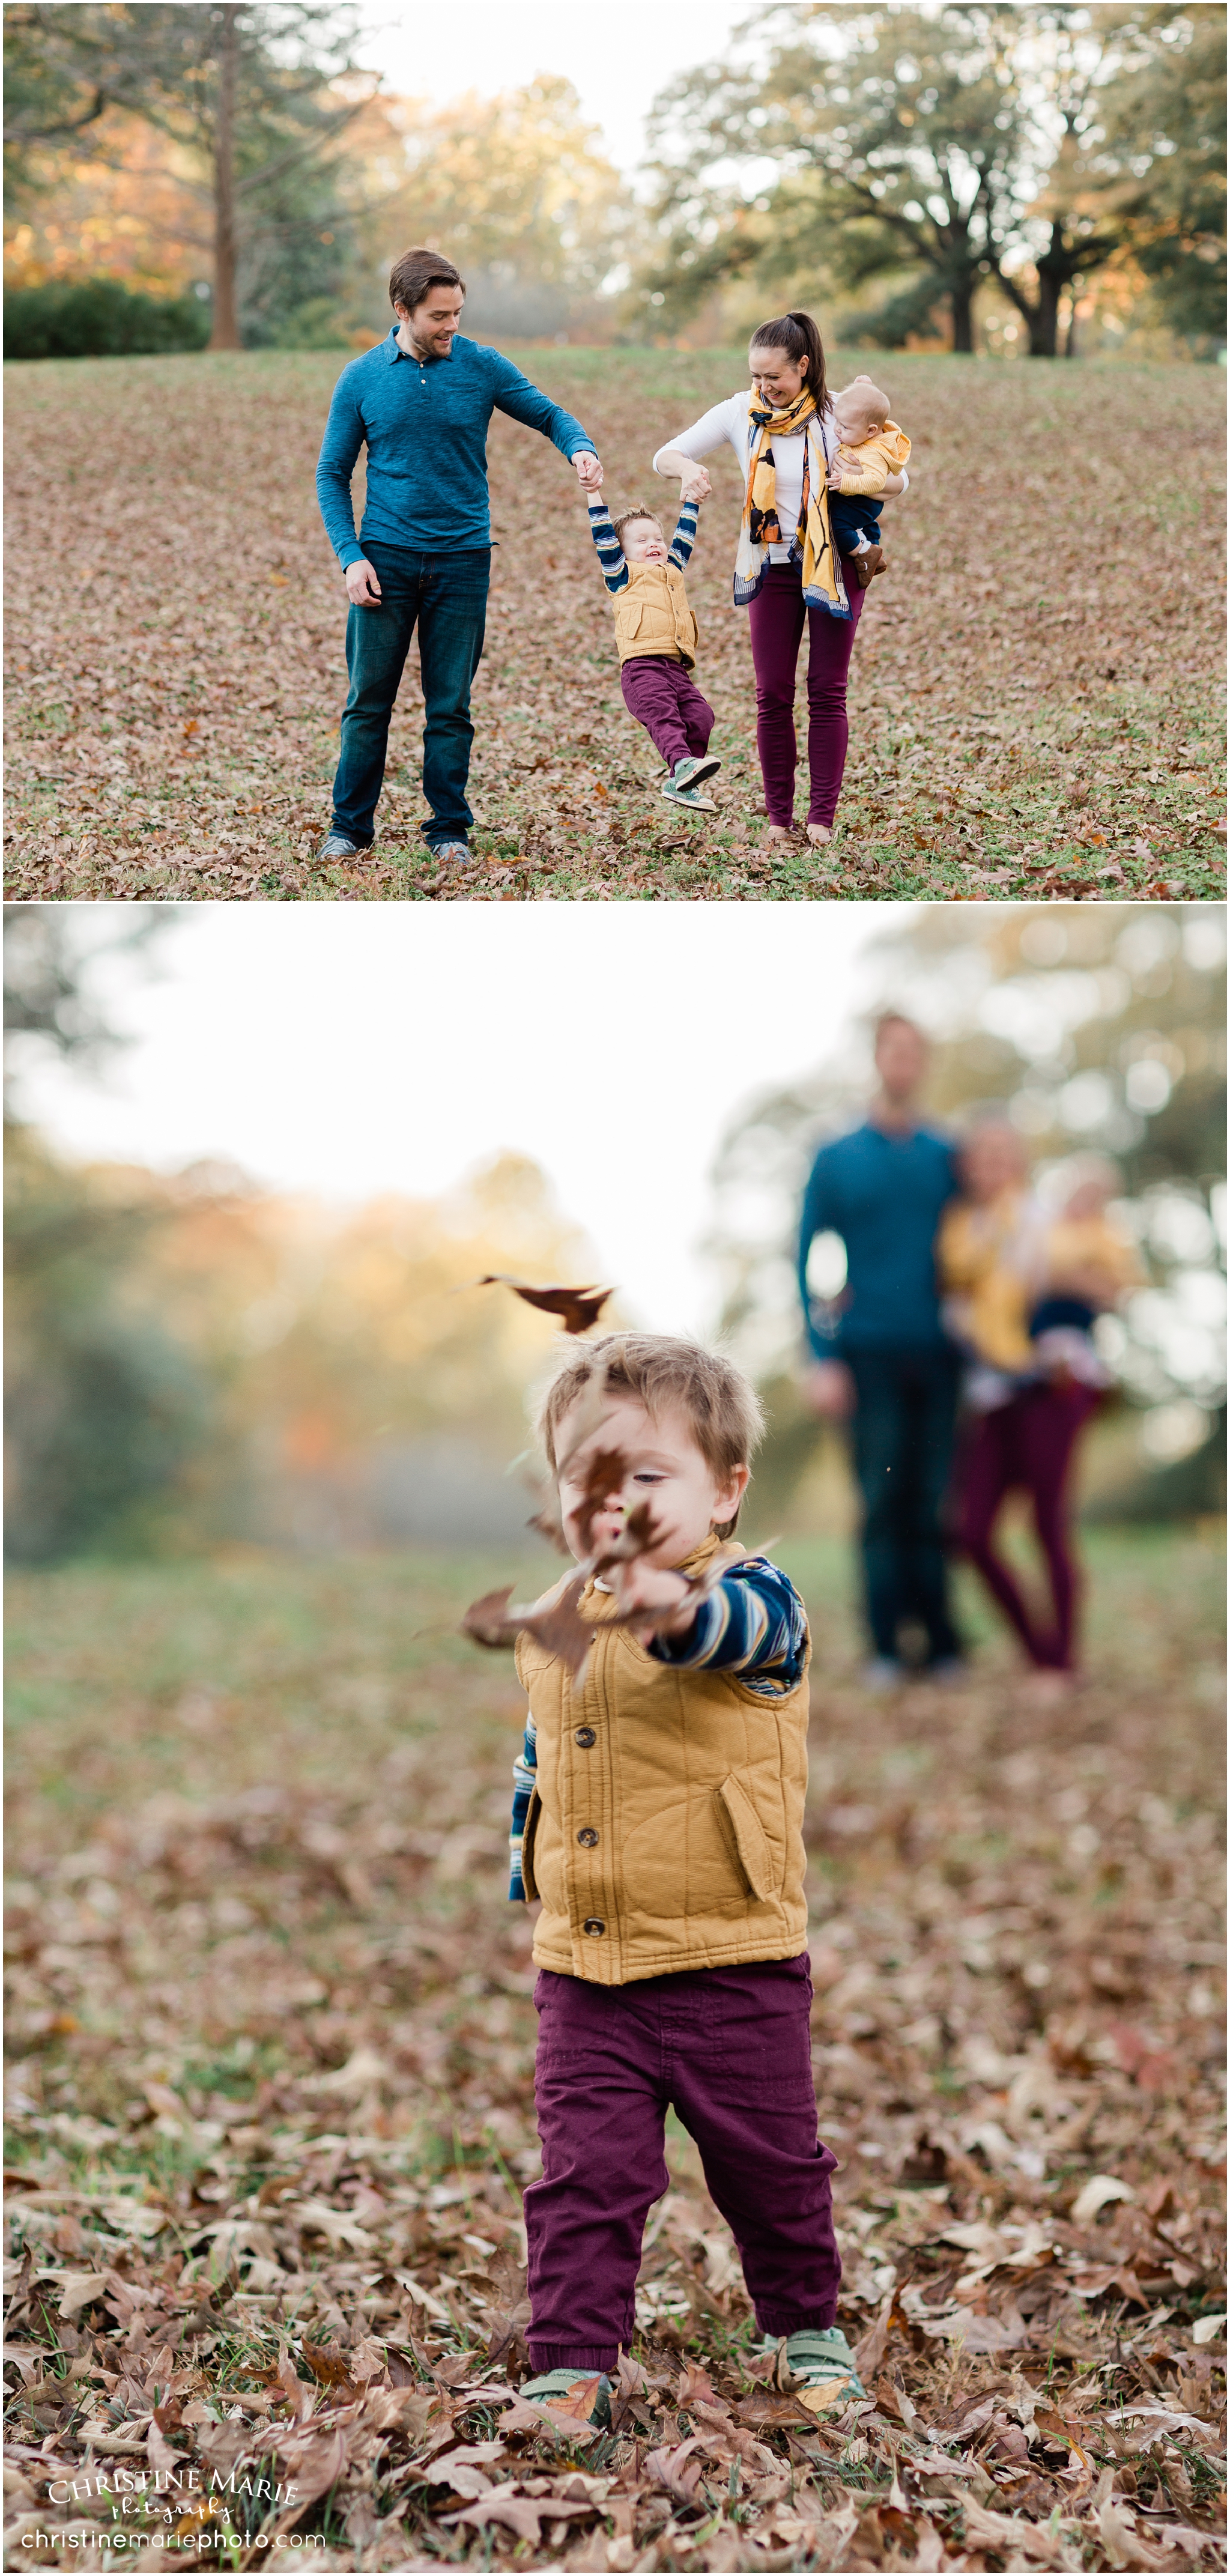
664, 698
1027, 1444
776, 617
730, 2049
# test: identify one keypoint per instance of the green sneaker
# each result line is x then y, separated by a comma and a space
552, 2385
818, 2367
680, 788
694, 772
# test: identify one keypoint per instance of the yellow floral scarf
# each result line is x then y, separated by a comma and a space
822, 583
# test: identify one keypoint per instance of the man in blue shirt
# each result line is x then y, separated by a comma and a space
882, 1359
420, 402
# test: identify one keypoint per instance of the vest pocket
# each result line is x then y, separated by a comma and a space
751, 1842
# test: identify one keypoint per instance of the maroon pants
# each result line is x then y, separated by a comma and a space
1027, 1444
776, 615
730, 2048
665, 699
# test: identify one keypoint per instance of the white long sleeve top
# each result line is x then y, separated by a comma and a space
729, 424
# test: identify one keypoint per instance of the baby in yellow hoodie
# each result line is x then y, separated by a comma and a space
872, 447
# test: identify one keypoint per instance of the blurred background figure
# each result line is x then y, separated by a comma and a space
883, 1359
1024, 1287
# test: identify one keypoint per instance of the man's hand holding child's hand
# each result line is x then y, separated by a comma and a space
589, 470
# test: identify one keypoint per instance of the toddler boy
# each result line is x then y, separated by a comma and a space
659, 1819
872, 447
656, 632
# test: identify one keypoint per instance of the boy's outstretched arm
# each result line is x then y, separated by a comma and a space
611, 555
752, 1623
681, 544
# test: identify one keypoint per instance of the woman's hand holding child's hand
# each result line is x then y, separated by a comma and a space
695, 487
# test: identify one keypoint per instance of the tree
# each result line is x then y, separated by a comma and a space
103, 1403
898, 139
254, 98
518, 191
937, 150
1164, 152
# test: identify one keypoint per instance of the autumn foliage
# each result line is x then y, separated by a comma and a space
1036, 690
270, 2099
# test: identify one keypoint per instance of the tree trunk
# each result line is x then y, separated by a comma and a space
225, 333
1044, 318
961, 297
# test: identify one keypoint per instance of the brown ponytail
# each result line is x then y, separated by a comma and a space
799, 336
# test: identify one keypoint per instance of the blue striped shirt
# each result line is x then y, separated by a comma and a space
752, 1623
611, 555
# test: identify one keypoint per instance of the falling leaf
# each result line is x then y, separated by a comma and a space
578, 1308
554, 1621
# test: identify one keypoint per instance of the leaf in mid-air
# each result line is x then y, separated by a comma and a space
554, 1620
577, 1308
487, 1621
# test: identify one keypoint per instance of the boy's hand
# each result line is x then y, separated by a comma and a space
660, 1597
589, 470
696, 487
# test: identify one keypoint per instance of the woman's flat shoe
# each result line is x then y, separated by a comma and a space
818, 834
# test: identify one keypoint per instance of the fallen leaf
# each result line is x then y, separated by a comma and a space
1095, 2194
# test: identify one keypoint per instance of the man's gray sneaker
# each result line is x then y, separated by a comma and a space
556, 2383
818, 2367
338, 845
453, 854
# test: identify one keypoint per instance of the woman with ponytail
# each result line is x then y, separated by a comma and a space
788, 571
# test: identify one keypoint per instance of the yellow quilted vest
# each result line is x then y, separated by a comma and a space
652, 614
666, 1827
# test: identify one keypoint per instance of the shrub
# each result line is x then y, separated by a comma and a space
96, 317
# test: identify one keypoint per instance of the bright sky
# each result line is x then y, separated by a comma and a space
350, 1050
618, 59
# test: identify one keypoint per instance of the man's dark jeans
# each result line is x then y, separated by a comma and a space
446, 595
903, 1434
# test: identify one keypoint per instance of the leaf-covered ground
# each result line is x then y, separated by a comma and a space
1037, 688
271, 2102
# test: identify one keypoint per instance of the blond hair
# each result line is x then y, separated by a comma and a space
876, 406
629, 516
722, 1409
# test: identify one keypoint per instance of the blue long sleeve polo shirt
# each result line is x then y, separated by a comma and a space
884, 1195
425, 428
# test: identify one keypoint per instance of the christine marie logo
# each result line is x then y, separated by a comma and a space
144, 2503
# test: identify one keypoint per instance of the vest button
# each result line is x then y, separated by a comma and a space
595, 1927
585, 1736
588, 1836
